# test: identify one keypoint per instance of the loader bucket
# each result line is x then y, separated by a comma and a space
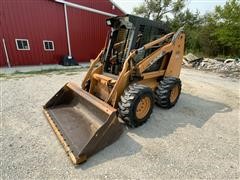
83, 123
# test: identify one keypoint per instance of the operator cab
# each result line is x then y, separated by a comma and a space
127, 33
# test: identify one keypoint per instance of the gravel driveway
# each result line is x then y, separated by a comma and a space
198, 138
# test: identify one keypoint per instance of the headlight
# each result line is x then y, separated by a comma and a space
108, 22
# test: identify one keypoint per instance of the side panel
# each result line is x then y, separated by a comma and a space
2, 55
102, 5
175, 63
3, 61
38, 20
35, 20
87, 34
88, 30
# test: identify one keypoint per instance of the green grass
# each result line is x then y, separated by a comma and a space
47, 71
19, 74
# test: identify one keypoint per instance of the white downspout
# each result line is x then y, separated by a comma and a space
67, 30
6, 53
74, 5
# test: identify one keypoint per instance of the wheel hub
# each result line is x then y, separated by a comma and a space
174, 94
143, 107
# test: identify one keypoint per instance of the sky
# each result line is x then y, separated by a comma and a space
202, 6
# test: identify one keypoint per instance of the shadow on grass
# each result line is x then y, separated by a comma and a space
20, 74
189, 110
124, 146
54, 70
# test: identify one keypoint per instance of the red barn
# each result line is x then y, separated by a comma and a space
36, 32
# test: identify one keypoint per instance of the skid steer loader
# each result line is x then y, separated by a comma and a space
139, 66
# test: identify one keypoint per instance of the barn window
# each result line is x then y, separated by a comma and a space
22, 44
48, 45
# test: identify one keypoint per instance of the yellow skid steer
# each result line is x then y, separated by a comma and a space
139, 66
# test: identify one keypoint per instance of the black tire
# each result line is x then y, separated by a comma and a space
87, 85
163, 92
127, 106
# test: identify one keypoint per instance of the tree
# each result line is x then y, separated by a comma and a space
158, 9
227, 20
216, 33
207, 37
221, 29
186, 19
191, 22
213, 34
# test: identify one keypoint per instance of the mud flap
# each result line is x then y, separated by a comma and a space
83, 123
